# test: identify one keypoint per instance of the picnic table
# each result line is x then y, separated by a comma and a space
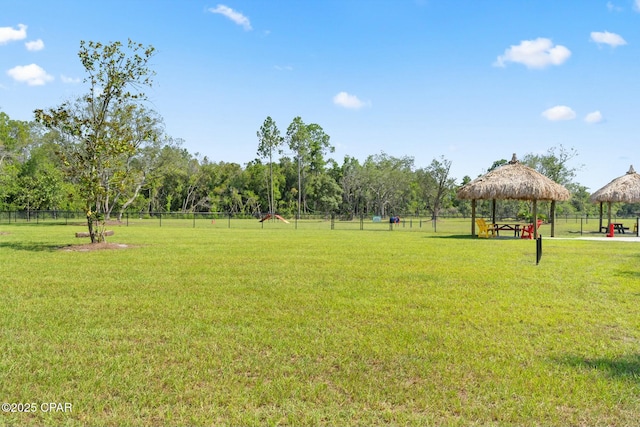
618, 226
511, 227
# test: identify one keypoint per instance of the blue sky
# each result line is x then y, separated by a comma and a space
473, 81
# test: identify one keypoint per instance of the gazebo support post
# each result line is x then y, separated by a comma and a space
601, 211
535, 219
553, 218
493, 211
609, 214
473, 217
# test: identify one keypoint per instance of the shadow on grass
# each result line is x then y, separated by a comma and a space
629, 274
451, 236
625, 368
70, 223
586, 232
32, 247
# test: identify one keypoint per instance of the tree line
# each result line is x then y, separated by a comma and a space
160, 175
106, 152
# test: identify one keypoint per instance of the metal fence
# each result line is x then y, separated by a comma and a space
565, 224
218, 220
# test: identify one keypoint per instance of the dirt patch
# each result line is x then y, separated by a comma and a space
90, 247
4, 233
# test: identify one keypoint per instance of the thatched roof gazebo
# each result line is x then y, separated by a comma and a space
513, 181
624, 189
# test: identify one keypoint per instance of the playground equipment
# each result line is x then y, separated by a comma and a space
269, 216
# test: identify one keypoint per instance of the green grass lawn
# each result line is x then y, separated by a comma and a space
267, 326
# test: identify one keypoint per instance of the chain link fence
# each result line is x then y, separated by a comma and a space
570, 225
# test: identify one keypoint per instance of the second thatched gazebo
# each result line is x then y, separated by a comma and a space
513, 181
624, 189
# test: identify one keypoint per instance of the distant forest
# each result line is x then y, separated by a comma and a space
162, 176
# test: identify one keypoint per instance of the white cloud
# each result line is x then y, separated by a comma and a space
69, 80
35, 45
613, 8
343, 99
9, 34
612, 39
236, 17
559, 112
636, 5
595, 117
538, 53
33, 75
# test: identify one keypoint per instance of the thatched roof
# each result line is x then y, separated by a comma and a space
624, 189
513, 181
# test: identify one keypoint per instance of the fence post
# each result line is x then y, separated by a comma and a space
229, 220
538, 249
160, 215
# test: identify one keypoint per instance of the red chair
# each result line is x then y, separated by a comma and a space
527, 230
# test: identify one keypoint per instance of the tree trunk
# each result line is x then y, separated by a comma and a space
92, 232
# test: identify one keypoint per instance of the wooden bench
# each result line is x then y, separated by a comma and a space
511, 227
617, 226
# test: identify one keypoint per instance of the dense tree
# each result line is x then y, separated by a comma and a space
225, 194
256, 193
497, 164
310, 144
351, 180
439, 186
269, 141
386, 179
164, 183
99, 128
463, 206
40, 181
324, 192
297, 139
554, 164
579, 201
14, 138
159, 175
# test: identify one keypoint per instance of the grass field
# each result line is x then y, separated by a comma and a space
210, 325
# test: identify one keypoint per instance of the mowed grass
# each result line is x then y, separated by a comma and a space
277, 326
565, 226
